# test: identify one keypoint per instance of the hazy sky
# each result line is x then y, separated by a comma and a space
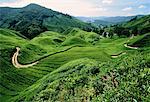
88, 7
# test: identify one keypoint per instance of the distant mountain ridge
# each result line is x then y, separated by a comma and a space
102, 20
34, 19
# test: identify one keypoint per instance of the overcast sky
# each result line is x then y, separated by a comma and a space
88, 7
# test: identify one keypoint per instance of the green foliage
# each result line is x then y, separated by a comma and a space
121, 31
84, 80
14, 80
139, 26
136, 26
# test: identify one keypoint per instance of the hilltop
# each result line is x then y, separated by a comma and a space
34, 19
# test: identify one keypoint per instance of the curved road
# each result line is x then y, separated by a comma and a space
130, 47
17, 64
127, 46
118, 55
123, 53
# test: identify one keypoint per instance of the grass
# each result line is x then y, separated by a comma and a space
89, 37
112, 46
74, 40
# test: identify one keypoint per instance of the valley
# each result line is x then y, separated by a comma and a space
48, 56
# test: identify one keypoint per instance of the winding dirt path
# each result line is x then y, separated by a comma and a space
118, 55
143, 37
17, 64
130, 47
127, 46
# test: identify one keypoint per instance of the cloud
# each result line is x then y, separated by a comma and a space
107, 1
73, 7
100, 9
141, 6
127, 9
85, 7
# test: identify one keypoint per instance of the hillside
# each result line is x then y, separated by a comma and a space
142, 25
143, 21
51, 56
134, 27
34, 19
87, 79
120, 19
75, 62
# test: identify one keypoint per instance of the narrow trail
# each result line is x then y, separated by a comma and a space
127, 46
118, 55
130, 47
18, 65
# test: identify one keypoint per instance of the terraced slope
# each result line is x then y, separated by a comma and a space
20, 79
60, 70
12, 80
89, 80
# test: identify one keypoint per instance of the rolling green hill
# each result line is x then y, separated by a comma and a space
70, 69
78, 34
13, 80
34, 19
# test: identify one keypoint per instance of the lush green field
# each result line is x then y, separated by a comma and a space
74, 65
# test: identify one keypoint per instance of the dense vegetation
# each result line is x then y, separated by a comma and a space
136, 26
75, 65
